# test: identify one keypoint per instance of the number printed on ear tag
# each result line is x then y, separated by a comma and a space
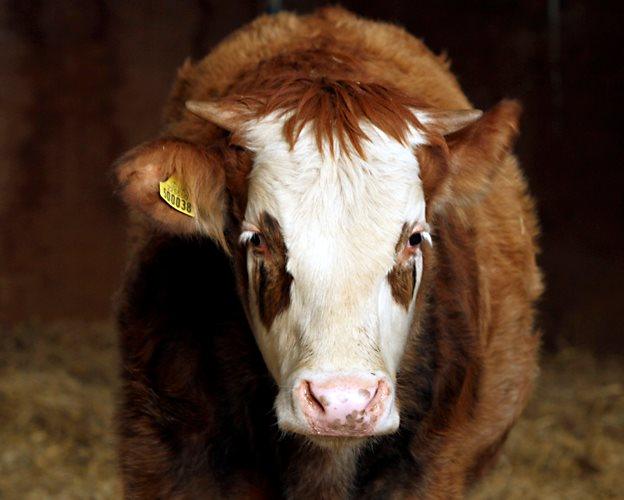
176, 196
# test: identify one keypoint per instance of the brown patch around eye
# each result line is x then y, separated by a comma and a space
271, 280
402, 277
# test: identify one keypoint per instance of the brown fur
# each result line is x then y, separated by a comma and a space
402, 277
324, 87
196, 418
271, 280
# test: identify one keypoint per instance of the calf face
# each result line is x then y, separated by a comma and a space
327, 238
334, 261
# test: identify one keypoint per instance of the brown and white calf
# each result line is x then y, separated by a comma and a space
348, 310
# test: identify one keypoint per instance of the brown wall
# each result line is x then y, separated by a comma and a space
82, 81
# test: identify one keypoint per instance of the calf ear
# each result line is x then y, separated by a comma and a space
197, 170
458, 165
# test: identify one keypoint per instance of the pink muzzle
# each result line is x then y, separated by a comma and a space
343, 405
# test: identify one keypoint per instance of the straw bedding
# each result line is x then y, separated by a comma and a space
57, 391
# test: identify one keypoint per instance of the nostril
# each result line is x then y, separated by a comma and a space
371, 398
315, 402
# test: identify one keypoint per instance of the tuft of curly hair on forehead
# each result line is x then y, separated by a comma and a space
330, 91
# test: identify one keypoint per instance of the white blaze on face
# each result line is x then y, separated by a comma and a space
341, 218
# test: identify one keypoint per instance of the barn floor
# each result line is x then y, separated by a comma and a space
57, 386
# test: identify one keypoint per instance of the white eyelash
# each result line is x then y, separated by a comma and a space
426, 235
425, 232
246, 236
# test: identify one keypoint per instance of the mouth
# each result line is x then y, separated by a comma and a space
334, 441
337, 442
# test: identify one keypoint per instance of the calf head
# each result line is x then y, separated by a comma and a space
323, 206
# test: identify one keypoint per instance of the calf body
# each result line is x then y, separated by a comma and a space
350, 312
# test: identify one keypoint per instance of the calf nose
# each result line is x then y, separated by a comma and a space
340, 398
343, 405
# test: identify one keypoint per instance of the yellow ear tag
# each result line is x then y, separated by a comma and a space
176, 196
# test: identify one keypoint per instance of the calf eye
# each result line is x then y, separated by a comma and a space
256, 240
415, 239
253, 238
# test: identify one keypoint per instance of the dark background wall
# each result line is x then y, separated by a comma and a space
83, 80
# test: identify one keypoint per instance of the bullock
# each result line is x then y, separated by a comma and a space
332, 284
